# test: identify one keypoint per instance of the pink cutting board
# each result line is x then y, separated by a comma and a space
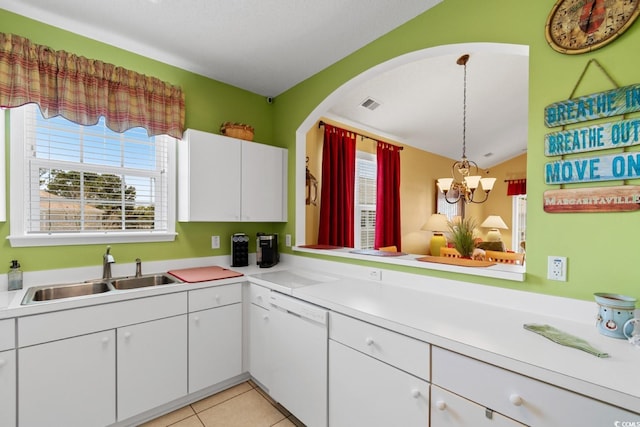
204, 274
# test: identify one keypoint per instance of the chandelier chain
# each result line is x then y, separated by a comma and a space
464, 113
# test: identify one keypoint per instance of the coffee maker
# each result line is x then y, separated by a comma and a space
267, 254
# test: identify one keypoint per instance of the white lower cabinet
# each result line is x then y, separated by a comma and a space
70, 382
259, 318
451, 410
364, 391
152, 364
8, 388
215, 346
377, 377
524, 399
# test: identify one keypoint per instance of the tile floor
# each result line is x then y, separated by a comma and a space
244, 405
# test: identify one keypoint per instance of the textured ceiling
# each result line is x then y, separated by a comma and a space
268, 46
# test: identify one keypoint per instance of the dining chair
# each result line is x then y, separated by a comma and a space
450, 252
505, 257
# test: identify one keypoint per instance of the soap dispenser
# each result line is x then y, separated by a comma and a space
14, 277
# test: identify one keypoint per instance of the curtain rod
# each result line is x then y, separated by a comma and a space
321, 123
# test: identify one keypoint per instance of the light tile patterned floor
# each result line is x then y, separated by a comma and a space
244, 405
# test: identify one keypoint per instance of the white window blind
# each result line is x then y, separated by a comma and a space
88, 179
365, 220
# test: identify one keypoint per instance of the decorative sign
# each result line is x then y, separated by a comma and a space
604, 199
624, 133
589, 169
595, 106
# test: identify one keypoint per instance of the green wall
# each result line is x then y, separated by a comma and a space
600, 247
208, 104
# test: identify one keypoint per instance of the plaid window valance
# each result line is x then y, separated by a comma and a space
82, 90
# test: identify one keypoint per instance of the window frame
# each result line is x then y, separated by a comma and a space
18, 236
359, 207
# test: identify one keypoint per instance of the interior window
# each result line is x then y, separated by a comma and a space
77, 184
365, 200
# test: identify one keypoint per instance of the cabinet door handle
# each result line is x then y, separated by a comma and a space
127, 336
265, 317
2, 362
415, 393
369, 341
259, 298
441, 405
105, 340
196, 319
516, 399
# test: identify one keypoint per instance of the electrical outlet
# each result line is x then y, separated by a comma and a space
215, 242
557, 268
287, 240
375, 274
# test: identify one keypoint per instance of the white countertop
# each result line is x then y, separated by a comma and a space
480, 321
492, 331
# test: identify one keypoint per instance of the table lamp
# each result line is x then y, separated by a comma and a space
494, 223
438, 224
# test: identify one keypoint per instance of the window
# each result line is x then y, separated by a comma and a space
365, 201
518, 222
450, 210
74, 184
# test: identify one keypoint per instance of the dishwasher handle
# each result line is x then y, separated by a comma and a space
299, 308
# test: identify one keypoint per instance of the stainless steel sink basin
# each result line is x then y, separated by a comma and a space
133, 282
53, 292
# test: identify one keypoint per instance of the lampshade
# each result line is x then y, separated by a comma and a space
438, 224
495, 223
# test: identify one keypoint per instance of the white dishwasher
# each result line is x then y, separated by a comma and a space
299, 355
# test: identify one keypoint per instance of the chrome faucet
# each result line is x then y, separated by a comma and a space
107, 260
138, 267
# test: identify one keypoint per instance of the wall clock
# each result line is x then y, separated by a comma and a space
579, 26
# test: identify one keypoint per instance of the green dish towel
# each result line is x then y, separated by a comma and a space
564, 338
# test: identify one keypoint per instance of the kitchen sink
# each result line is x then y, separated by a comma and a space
53, 292
133, 282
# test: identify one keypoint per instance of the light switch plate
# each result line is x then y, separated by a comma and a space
287, 240
215, 242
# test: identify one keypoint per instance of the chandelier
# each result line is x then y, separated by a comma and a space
465, 179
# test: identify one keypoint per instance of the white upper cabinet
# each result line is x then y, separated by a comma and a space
231, 180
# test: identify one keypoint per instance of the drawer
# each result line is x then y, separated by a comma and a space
448, 409
57, 325
259, 295
216, 296
7, 334
401, 351
522, 398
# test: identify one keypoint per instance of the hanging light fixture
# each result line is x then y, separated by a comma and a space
465, 179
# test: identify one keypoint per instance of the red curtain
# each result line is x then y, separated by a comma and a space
516, 187
388, 196
338, 186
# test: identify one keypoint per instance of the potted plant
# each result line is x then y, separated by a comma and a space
461, 235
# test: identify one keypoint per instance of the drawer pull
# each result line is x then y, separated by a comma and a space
441, 405
265, 317
217, 297
516, 400
369, 341
415, 393
259, 298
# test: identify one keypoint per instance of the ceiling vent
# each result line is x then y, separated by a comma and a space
370, 104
